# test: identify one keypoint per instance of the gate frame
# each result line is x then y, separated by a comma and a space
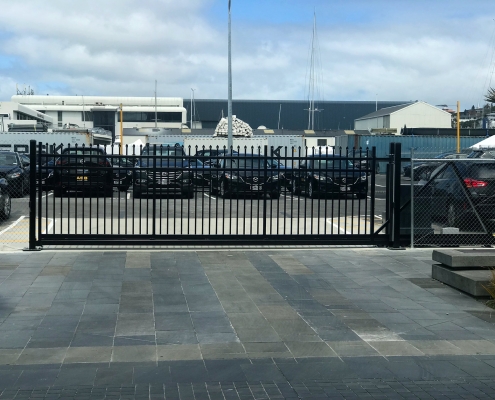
392, 238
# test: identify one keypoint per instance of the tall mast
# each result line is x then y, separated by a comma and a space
311, 110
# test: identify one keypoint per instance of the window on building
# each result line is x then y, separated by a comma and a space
86, 116
149, 116
321, 142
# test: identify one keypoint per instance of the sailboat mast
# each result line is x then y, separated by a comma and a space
311, 111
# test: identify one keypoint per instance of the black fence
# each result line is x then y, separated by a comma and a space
162, 195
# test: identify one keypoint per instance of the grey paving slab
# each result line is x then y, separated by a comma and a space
323, 315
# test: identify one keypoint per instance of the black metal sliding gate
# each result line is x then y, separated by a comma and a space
168, 195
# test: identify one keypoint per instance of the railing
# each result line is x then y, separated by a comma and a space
170, 195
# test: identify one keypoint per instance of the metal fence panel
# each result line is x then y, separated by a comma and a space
453, 202
161, 194
14, 190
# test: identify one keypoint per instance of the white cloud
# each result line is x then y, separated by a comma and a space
120, 47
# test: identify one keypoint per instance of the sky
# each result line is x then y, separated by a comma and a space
436, 51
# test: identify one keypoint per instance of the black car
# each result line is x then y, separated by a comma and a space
83, 169
361, 158
247, 174
482, 153
422, 169
123, 172
5, 202
329, 174
44, 171
16, 172
461, 190
164, 169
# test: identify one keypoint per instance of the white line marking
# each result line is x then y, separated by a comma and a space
48, 194
128, 195
380, 185
211, 197
49, 227
12, 224
329, 220
378, 217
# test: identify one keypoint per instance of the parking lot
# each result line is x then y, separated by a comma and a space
204, 214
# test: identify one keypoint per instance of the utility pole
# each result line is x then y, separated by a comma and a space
229, 129
193, 111
458, 127
121, 129
156, 112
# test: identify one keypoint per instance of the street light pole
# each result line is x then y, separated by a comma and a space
229, 129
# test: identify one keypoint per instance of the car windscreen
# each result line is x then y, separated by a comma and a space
122, 161
8, 159
482, 170
251, 163
333, 164
163, 151
82, 152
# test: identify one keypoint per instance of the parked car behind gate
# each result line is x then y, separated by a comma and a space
164, 169
423, 168
5, 202
44, 172
361, 158
83, 169
123, 172
15, 172
329, 174
246, 174
457, 185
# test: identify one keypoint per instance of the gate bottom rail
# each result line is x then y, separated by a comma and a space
196, 240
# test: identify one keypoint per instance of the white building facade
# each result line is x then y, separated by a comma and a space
104, 111
413, 115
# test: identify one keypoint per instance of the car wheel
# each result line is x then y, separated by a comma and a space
311, 191
451, 216
223, 192
275, 195
188, 195
361, 195
213, 191
124, 188
57, 192
136, 194
295, 189
7, 206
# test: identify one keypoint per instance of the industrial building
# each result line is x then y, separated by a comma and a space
96, 111
412, 115
282, 114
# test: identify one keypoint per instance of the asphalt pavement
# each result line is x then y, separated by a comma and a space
238, 323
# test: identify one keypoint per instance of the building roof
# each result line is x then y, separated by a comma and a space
385, 111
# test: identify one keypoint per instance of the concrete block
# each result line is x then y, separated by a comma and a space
468, 281
465, 258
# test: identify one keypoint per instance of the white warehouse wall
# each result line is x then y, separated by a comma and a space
420, 115
417, 115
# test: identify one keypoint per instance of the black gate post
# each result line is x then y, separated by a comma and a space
265, 193
397, 196
389, 198
372, 194
32, 196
